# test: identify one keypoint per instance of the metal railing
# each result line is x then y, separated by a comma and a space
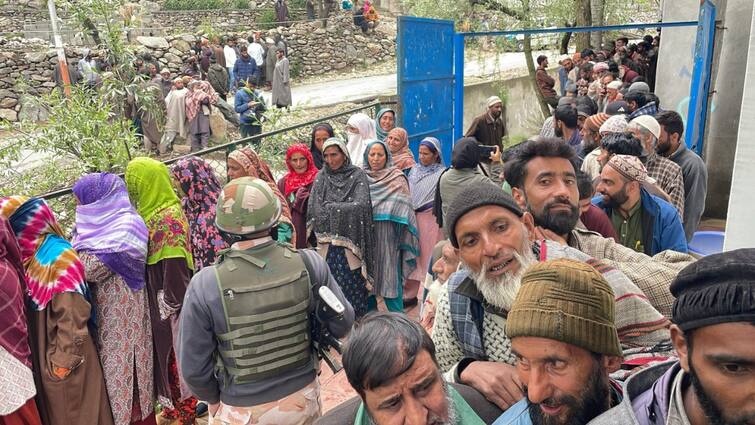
63, 203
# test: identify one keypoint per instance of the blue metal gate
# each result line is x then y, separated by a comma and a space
426, 80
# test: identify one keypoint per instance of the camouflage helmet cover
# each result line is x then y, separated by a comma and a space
247, 205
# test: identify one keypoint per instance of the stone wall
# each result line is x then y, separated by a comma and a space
13, 19
312, 50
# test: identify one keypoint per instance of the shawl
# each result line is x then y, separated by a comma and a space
108, 227
423, 180
382, 134
14, 335
196, 96
51, 265
340, 210
150, 189
316, 153
201, 188
255, 167
175, 114
292, 180
357, 142
402, 157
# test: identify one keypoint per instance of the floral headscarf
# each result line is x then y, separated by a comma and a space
149, 188
402, 157
200, 187
293, 180
50, 263
255, 167
14, 336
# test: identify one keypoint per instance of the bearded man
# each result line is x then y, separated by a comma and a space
496, 242
542, 175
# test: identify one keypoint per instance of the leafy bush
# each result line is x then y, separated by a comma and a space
267, 20
240, 4
195, 4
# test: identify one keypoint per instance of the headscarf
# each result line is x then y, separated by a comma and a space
14, 335
389, 190
255, 167
201, 91
382, 134
108, 227
316, 153
200, 187
340, 210
357, 142
424, 179
293, 180
150, 190
402, 157
51, 265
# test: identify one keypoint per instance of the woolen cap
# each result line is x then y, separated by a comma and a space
600, 67
639, 87
594, 122
569, 301
492, 100
719, 288
473, 198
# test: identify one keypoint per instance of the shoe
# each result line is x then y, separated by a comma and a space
201, 409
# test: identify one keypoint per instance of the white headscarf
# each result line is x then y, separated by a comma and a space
358, 142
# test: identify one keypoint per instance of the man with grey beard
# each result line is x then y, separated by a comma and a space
389, 360
496, 242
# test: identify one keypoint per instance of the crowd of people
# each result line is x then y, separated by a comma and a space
540, 302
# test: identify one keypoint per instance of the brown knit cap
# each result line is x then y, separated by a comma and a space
593, 122
568, 301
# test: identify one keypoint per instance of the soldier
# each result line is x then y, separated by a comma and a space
244, 343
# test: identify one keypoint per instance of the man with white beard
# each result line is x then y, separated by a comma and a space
496, 242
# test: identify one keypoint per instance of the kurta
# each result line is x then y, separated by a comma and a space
176, 112
124, 339
166, 286
281, 84
59, 336
270, 60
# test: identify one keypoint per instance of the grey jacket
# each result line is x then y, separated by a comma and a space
695, 176
647, 395
202, 318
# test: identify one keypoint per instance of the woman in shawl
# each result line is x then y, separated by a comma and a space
245, 162
396, 233
68, 375
201, 95
465, 171
423, 179
398, 142
340, 215
199, 188
17, 389
111, 240
169, 268
296, 186
359, 128
320, 133
385, 120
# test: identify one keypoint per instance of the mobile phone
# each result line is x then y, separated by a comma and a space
486, 151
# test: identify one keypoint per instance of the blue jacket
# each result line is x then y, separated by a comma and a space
244, 69
661, 226
241, 105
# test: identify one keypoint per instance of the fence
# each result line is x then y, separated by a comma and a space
62, 201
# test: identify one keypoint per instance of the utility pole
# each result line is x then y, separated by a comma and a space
62, 62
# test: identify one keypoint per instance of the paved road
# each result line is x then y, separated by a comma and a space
355, 89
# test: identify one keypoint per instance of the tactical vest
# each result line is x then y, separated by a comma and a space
266, 298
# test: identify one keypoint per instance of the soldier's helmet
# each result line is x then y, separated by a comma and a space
247, 205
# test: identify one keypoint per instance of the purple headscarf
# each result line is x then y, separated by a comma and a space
108, 227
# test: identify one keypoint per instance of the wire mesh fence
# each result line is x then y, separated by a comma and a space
271, 146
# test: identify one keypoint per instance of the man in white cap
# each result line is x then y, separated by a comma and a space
488, 129
664, 171
643, 222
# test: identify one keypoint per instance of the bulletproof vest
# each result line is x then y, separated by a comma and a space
266, 297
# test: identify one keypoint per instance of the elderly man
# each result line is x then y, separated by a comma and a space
591, 143
666, 173
542, 177
496, 242
175, 124
695, 175
565, 341
644, 222
390, 361
714, 326
488, 129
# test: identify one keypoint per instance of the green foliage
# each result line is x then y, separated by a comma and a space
297, 4
295, 69
240, 4
267, 20
209, 31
